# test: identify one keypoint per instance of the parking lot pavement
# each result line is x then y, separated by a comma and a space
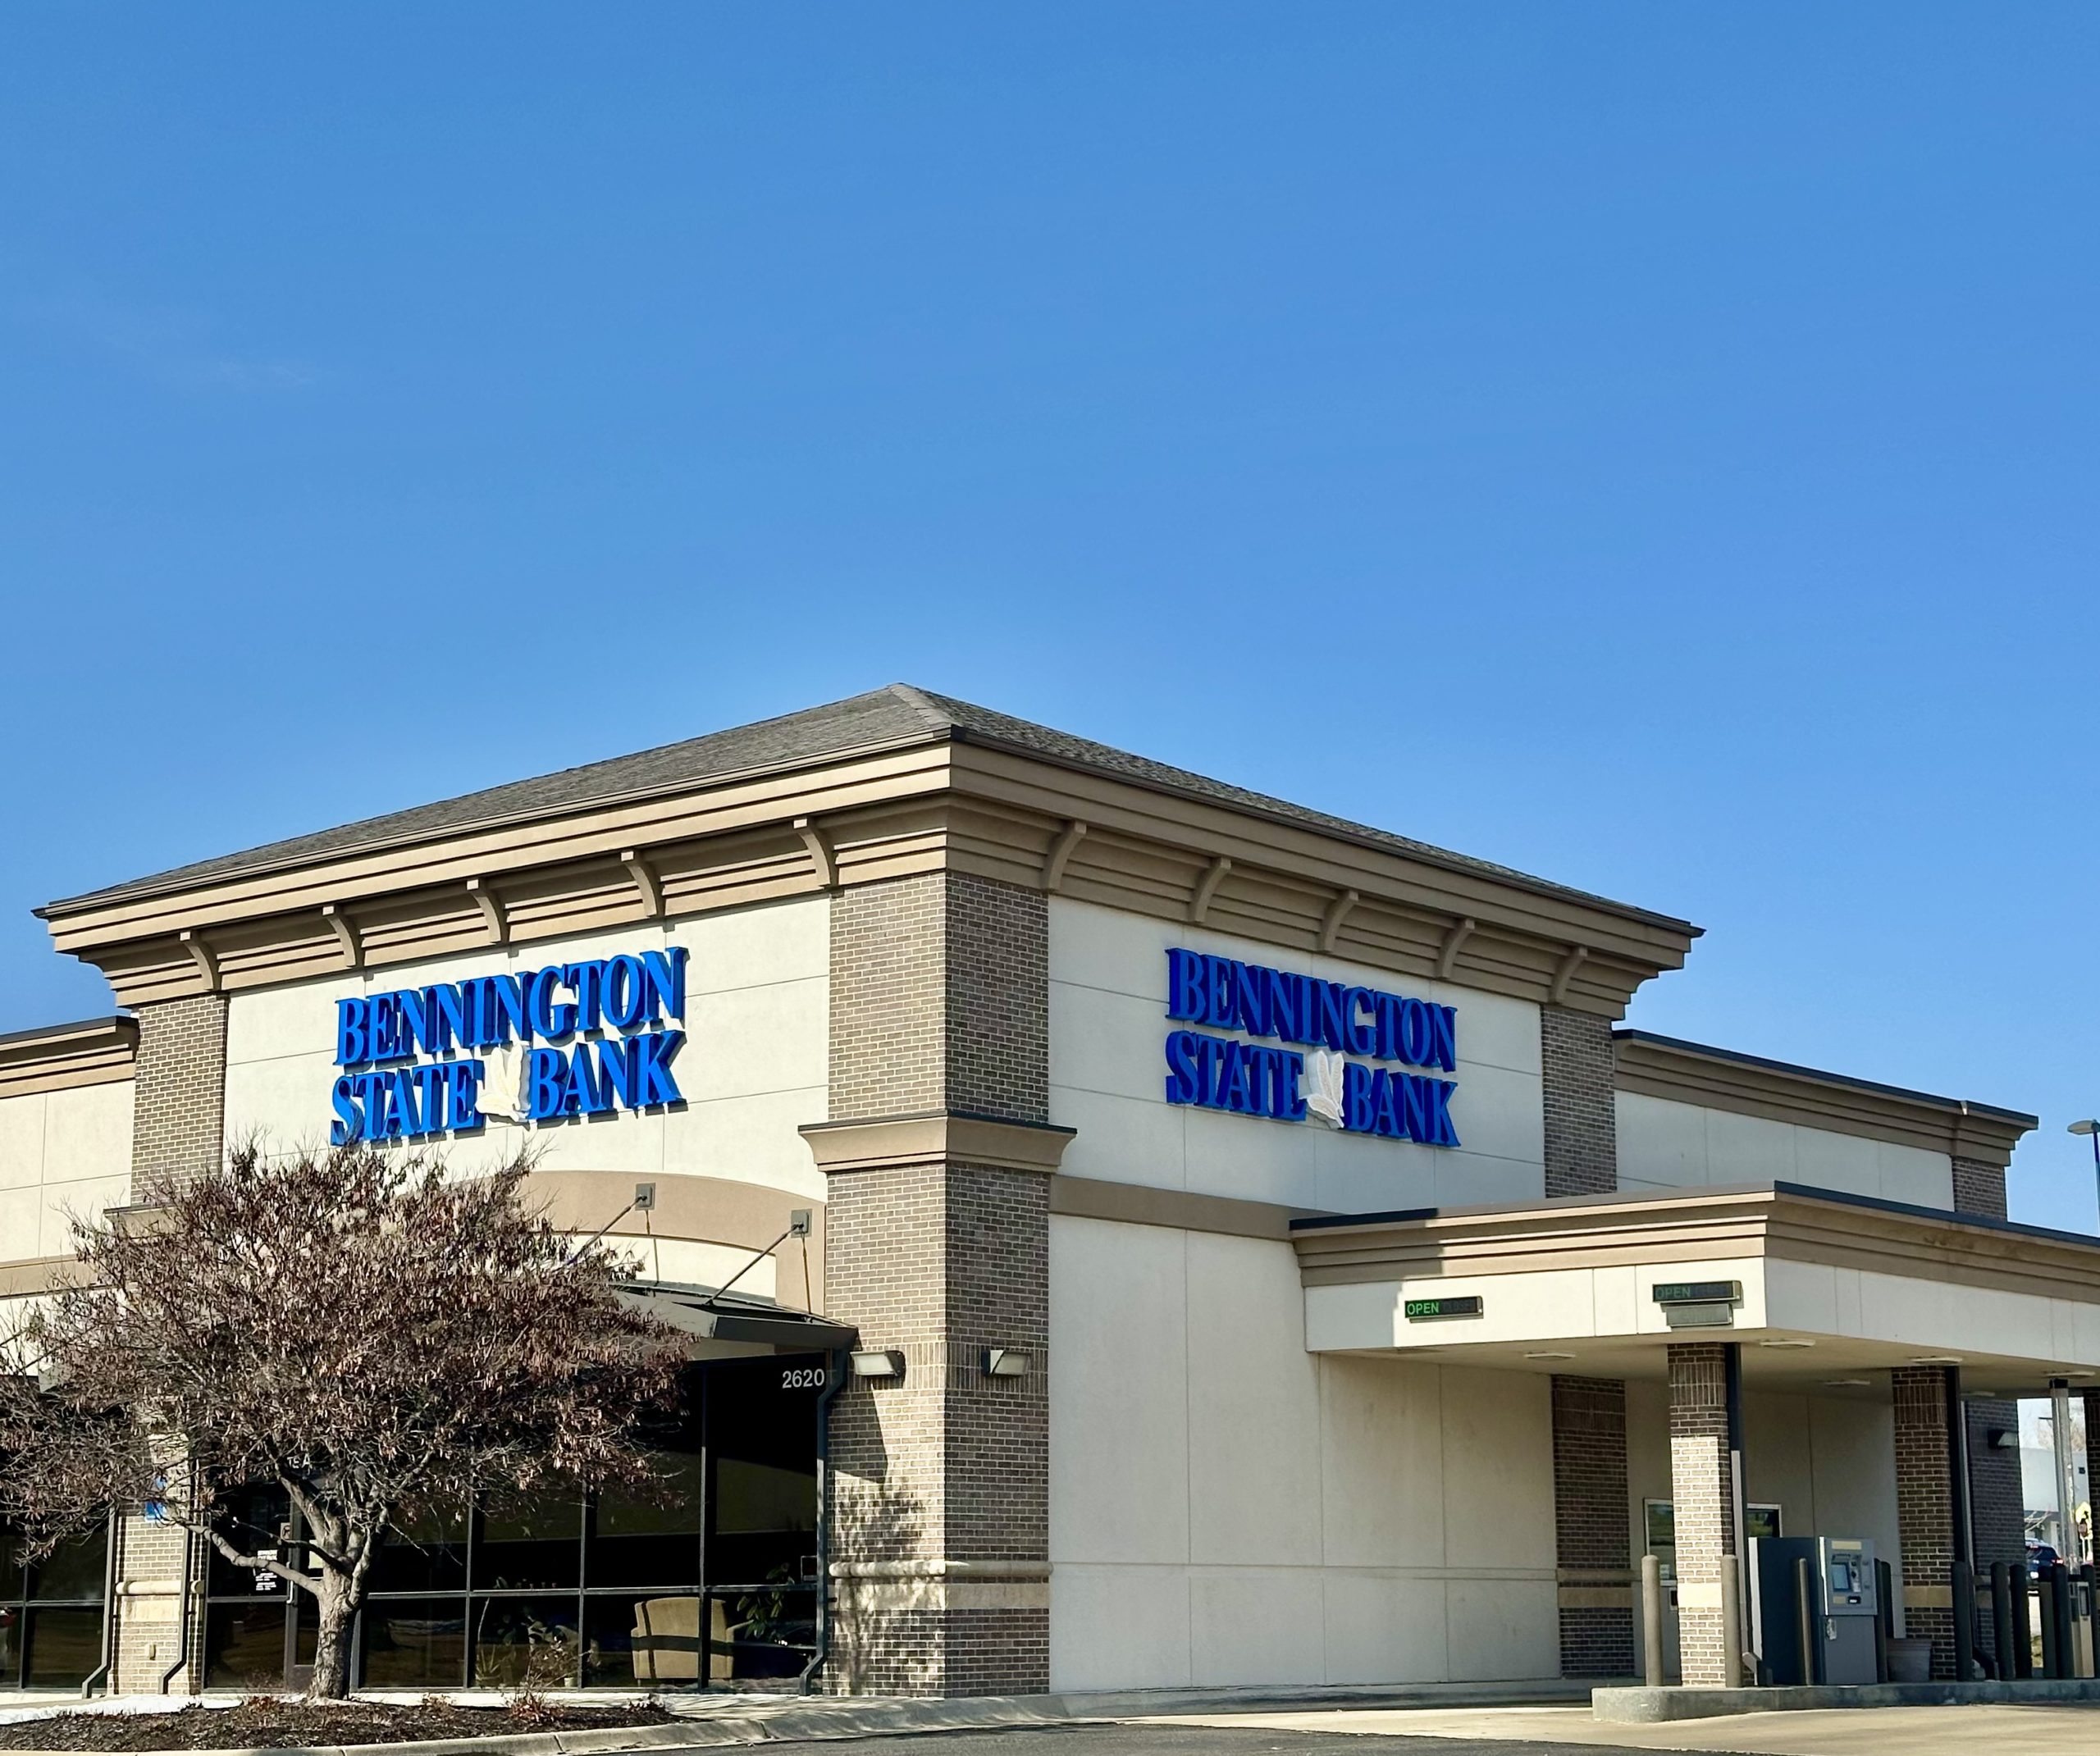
1188, 1738
1560, 1731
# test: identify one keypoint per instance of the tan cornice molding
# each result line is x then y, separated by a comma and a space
1090, 837
1692, 1073
1179, 1210
41, 1274
92, 1052
884, 1143
1788, 1222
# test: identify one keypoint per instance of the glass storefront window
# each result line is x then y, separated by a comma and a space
525, 1642
425, 1554
245, 1645
652, 1536
530, 1546
52, 1612
414, 1643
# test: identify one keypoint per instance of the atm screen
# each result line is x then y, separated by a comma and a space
1840, 1577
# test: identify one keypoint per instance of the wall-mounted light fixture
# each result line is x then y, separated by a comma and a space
888, 1363
2004, 1438
1006, 1362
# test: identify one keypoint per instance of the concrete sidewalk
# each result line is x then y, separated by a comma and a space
1915, 1731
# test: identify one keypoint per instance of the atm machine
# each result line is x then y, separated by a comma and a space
1842, 1613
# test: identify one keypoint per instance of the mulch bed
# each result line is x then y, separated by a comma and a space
264, 1723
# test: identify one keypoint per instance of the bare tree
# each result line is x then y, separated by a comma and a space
371, 1336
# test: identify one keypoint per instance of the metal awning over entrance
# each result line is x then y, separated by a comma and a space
735, 1322
1815, 1284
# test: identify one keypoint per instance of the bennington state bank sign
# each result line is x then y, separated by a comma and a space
538, 1046
1338, 1028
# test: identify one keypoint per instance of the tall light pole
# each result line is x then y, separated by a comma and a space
2091, 1130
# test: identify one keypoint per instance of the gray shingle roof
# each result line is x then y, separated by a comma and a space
895, 715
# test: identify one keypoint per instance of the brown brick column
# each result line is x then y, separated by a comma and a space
178, 1125
1996, 1504
1581, 1117
1924, 1514
1701, 1490
1593, 1548
179, 1094
938, 1246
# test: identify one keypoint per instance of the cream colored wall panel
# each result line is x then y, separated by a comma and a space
1466, 1179
1253, 1407
1108, 1042
1382, 1466
627, 1142
1498, 1475
1357, 1174
1384, 1628
1747, 1149
780, 941
87, 1133
1121, 1139
1614, 1293
1250, 1158
1494, 1030
1911, 1174
1647, 1454
1500, 1115
1255, 1624
299, 1018
22, 1223
1366, 1314
1660, 1143
1778, 1462
745, 1041
1844, 1162
1852, 1456
1801, 1296
746, 1140
1119, 1397
282, 1102
1118, 953
1119, 1628
86, 1200
1502, 1629
21, 1139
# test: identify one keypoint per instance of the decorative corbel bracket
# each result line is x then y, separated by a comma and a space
346, 935
492, 910
1060, 853
822, 855
1447, 954
1577, 956
201, 954
1338, 912
1214, 875
646, 884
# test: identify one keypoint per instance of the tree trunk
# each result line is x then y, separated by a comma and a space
331, 1650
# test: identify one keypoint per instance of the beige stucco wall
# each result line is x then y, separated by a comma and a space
1226, 1507
62, 1152
1108, 1026
1666, 1145
752, 1068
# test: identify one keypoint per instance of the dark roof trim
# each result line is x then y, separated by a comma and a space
122, 1023
1797, 1190
1706, 1051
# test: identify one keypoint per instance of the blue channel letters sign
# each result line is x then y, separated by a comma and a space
1365, 1025
595, 1036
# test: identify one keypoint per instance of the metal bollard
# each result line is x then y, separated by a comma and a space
2045, 1597
1961, 1580
1884, 1623
1805, 1622
1731, 1622
1652, 1620
2002, 1621
2023, 1624
2066, 1651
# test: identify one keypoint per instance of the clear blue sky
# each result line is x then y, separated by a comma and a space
1655, 446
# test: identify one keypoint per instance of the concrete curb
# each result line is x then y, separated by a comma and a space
800, 1720
1649, 1706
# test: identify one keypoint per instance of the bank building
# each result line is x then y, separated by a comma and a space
1130, 1231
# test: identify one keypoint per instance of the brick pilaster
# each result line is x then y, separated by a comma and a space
1703, 1495
1581, 1117
1925, 1512
1593, 1548
1979, 1188
179, 1092
1995, 1504
939, 1004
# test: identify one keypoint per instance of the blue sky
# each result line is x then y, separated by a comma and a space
1653, 445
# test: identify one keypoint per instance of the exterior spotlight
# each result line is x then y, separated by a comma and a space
1785, 1341
1548, 1353
2091, 1130
1848, 1384
888, 1363
2004, 1438
1006, 1362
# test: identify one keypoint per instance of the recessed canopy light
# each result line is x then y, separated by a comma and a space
1549, 1354
1848, 1384
1785, 1341
1936, 1359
